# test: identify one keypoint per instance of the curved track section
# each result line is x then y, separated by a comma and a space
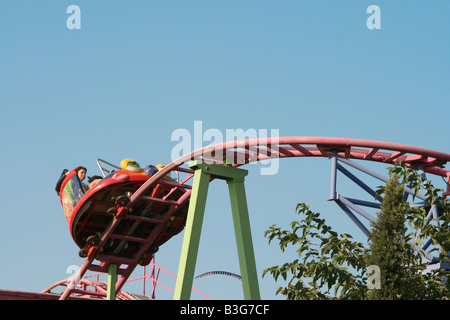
241, 152
223, 273
87, 289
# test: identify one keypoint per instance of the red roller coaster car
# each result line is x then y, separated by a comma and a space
89, 214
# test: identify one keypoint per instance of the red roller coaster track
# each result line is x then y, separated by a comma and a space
252, 150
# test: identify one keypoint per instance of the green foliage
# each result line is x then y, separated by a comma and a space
411, 282
333, 266
420, 225
324, 260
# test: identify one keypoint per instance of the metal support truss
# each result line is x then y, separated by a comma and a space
350, 206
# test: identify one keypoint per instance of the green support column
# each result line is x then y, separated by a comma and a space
192, 231
244, 241
112, 279
235, 178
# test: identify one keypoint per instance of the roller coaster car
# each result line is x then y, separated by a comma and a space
89, 214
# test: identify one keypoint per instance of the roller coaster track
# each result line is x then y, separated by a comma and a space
241, 152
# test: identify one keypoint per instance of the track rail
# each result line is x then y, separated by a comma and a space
246, 151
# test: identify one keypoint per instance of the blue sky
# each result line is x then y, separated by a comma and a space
136, 71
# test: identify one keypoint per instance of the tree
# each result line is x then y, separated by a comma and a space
333, 266
422, 284
389, 248
324, 260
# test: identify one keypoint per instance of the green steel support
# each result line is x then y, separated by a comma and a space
112, 279
192, 231
203, 173
243, 239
